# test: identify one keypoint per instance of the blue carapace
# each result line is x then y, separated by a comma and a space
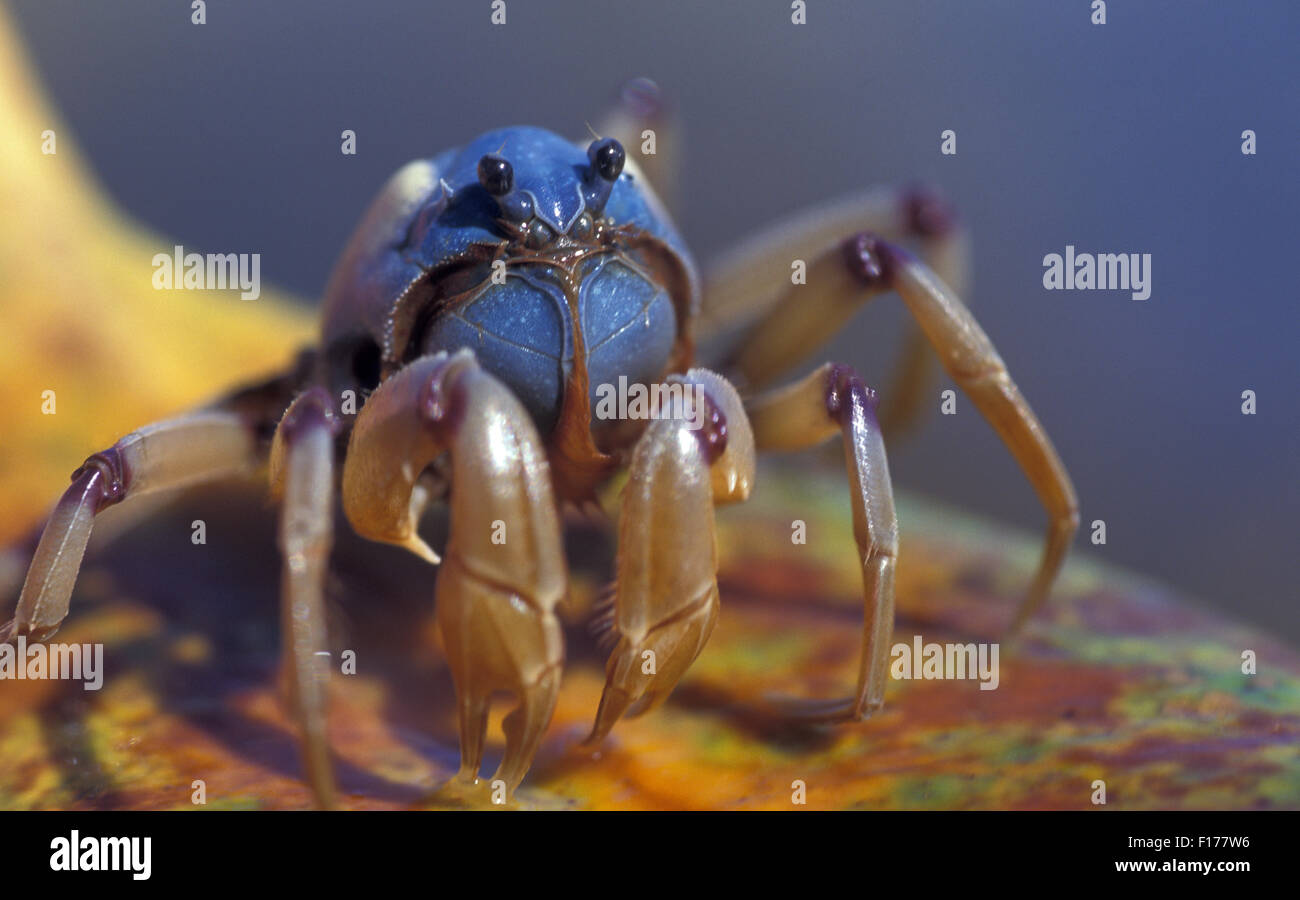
555, 265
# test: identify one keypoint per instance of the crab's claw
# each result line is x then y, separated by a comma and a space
666, 596
643, 670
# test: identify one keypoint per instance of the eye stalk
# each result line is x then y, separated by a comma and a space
498, 178
496, 175
606, 158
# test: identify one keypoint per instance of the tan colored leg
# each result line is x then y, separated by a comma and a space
971, 360
641, 107
302, 478
525, 726
911, 385
202, 446
802, 415
666, 594
865, 266
472, 703
752, 284
809, 317
504, 571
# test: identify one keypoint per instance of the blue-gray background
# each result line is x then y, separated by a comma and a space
1116, 138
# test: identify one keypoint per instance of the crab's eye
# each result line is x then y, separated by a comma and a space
496, 175
583, 228
539, 235
606, 156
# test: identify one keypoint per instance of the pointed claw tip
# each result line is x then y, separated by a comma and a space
417, 546
613, 704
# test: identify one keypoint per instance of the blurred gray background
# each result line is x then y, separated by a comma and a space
1116, 138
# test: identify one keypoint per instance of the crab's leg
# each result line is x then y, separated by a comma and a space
970, 358
504, 570
804, 414
754, 279
697, 453
302, 478
647, 126
202, 446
